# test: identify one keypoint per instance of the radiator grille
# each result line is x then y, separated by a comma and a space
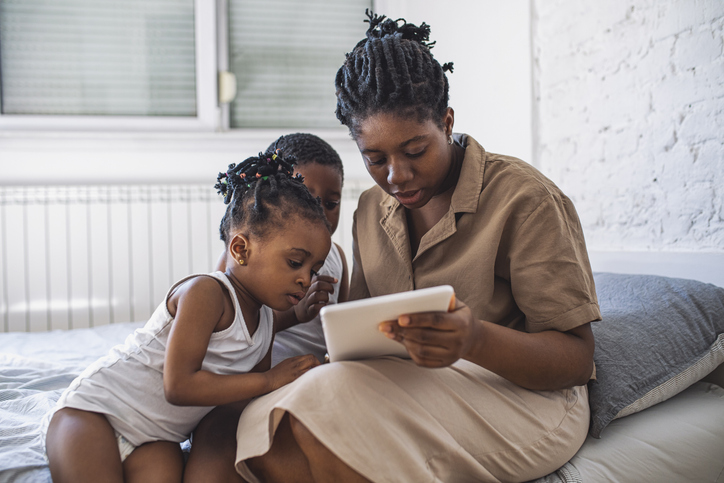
83, 256
79, 256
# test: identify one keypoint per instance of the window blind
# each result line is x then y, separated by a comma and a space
98, 57
285, 55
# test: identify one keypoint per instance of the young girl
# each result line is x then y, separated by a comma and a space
206, 344
299, 330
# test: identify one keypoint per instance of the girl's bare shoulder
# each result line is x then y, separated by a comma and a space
202, 289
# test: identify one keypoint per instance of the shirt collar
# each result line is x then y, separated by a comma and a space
472, 173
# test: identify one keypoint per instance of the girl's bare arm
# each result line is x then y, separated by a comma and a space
202, 305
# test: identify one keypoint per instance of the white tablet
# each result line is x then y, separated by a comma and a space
350, 328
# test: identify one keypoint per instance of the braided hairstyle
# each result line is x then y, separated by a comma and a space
392, 70
308, 148
262, 193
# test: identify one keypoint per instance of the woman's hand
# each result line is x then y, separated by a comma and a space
290, 369
435, 339
316, 298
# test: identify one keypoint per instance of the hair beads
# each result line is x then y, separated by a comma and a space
262, 192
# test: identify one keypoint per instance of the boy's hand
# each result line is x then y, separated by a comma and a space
316, 298
290, 369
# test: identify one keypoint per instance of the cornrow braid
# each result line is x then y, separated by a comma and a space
308, 148
261, 191
392, 70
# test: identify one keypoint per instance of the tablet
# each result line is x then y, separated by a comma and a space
350, 328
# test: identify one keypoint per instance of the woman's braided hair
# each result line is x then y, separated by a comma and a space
262, 192
392, 70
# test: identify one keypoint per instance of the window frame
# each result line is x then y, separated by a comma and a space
207, 116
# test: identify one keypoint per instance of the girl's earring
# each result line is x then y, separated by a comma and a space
450, 139
241, 262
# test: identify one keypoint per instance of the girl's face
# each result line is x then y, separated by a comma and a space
324, 182
278, 269
408, 159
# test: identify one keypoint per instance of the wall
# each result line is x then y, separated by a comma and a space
628, 116
489, 43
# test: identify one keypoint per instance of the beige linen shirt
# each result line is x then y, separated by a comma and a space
511, 245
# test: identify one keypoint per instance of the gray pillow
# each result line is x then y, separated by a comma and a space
658, 336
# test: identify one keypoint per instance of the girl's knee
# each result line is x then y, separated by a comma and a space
69, 423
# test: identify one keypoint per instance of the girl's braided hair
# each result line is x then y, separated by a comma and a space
262, 192
392, 70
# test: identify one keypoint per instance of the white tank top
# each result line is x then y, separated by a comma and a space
308, 338
127, 384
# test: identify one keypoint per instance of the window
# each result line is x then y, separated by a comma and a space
153, 64
285, 55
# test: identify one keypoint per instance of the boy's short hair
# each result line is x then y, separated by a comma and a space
308, 148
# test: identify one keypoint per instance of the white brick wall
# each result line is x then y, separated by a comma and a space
629, 118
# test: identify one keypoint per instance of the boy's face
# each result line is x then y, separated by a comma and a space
324, 182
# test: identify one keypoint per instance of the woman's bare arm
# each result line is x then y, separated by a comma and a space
545, 360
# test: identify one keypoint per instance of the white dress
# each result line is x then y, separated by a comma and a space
127, 384
308, 338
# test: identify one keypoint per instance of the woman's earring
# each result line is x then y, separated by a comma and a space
241, 262
450, 139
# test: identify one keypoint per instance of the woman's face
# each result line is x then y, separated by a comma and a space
410, 160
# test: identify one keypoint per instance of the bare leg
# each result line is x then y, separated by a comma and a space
325, 466
160, 461
82, 447
297, 456
284, 461
213, 448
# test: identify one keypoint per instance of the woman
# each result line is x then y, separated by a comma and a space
496, 388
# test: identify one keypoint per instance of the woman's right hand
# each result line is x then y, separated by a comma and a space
435, 339
290, 369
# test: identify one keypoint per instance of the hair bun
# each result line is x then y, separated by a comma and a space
381, 26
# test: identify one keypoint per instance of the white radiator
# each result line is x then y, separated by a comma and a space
84, 256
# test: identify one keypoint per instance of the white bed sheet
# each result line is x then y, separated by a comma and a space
34, 369
678, 440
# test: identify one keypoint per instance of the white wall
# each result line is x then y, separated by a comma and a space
489, 43
629, 113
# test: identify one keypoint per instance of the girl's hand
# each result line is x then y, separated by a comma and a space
290, 369
316, 298
435, 339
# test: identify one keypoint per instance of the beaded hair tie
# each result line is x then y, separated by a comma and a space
254, 170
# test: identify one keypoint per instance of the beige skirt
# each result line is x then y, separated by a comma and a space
393, 421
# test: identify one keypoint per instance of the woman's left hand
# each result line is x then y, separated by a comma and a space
435, 339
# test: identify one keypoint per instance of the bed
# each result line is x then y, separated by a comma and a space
657, 405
